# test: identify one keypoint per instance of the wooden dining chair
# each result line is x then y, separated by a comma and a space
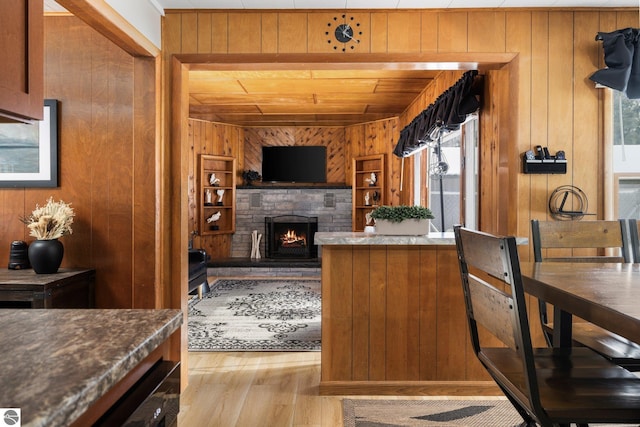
581, 235
550, 386
634, 234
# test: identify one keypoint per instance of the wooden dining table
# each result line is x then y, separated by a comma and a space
605, 294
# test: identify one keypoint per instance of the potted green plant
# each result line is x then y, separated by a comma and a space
402, 220
249, 176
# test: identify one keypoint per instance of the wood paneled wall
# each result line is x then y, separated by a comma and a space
379, 137
106, 155
220, 140
330, 137
245, 144
549, 99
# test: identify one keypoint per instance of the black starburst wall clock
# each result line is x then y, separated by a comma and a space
343, 33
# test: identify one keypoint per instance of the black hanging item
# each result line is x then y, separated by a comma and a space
633, 85
445, 114
622, 58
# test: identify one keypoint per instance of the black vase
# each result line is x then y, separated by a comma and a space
45, 256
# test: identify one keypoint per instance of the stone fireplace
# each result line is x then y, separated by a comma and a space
290, 236
331, 204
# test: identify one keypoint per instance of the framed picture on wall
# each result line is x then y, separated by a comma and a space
29, 151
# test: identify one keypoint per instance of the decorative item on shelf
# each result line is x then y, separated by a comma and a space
255, 244
369, 223
376, 198
214, 218
18, 255
47, 224
402, 220
367, 199
213, 180
207, 198
249, 176
372, 180
220, 194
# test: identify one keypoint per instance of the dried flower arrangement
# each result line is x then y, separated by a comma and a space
51, 221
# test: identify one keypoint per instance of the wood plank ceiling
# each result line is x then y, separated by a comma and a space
303, 97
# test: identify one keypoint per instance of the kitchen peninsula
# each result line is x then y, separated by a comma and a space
393, 317
66, 367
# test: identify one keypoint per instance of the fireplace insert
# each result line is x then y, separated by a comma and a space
290, 236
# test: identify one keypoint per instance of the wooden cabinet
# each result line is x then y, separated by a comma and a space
217, 198
368, 188
21, 68
68, 288
393, 322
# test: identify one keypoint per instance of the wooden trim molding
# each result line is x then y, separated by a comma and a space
364, 61
104, 19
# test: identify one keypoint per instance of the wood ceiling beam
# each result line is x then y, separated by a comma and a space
104, 19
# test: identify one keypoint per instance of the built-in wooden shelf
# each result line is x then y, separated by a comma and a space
224, 169
366, 194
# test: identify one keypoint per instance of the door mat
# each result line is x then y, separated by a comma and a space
433, 413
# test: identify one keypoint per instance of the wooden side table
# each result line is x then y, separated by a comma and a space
68, 288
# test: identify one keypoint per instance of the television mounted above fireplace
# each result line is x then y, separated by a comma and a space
294, 164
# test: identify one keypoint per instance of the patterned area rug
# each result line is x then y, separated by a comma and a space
432, 413
256, 315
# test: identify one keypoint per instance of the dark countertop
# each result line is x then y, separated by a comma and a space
56, 363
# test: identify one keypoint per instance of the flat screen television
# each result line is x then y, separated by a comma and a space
294, 164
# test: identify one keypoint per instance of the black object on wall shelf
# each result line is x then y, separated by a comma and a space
544, 166
543, 162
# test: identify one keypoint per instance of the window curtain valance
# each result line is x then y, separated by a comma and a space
445, 114
622, 58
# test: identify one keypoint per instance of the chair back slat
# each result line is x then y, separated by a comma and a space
493, 309
598, 234
486, 253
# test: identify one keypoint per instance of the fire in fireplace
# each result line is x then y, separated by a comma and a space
290, 236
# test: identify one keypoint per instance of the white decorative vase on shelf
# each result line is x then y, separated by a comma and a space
407, 227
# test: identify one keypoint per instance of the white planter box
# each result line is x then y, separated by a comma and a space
408, 227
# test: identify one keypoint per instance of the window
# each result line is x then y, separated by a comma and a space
446, 177
626, 156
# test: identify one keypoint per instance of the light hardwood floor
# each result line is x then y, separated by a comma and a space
255, 389
264, 389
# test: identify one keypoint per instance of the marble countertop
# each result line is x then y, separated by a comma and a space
57, 363
360, 238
